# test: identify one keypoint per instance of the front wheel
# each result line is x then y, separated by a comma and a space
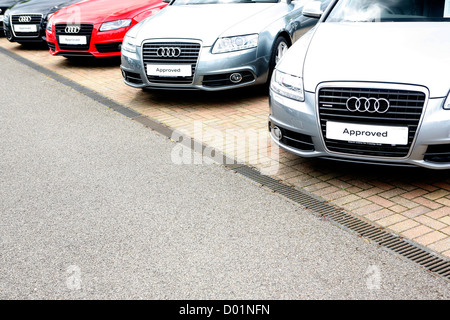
8, 35
279, 48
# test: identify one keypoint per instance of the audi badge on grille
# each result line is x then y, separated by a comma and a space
371, 105
168, 52
72, 29
24, 19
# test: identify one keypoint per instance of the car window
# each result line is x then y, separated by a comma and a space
390, 10
189, 2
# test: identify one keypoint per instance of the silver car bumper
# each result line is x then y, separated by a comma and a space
301, 121
212, 71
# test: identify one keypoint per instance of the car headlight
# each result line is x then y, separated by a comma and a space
447, 102
114, 25
6, 16
229, 44
129, 44
288, 85
49, 23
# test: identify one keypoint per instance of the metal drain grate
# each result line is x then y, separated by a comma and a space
380, 236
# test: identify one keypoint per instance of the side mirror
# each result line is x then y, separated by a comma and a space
313, 9
167, 1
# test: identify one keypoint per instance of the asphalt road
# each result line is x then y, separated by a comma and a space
92, 207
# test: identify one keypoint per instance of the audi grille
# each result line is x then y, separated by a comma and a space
69, 30
26, 20
173, 53
405, 110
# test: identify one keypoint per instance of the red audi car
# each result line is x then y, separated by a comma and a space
96, 27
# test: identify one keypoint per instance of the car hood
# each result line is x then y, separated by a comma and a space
205, 22
99, 11
407, 53
38, 6
7, 3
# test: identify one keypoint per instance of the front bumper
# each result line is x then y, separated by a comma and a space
101, 44
301, 134
33, 37
212, 71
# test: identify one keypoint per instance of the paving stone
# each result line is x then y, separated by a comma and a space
432, 223
380, 214
430, 238
417, 232
391, 220
404, 225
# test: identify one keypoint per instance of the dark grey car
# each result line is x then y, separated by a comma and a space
26, 21
4, 5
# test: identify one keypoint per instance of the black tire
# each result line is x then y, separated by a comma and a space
280, 46
8, 35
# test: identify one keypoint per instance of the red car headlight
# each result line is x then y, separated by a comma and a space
114, 25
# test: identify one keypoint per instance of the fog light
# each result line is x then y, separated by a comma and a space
236, 77
277, 133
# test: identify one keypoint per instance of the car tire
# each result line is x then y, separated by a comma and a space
9, 36
279, 48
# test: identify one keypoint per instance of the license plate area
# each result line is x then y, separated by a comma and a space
169, 70
25, 28
73, 40
369, 134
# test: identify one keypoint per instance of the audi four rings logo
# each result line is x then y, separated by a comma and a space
72, 29
371, 105
168, 52
24, 19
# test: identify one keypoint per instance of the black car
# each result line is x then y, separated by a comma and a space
4, 5
26, 21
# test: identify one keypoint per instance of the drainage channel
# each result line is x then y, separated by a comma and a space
377, 235
404, 248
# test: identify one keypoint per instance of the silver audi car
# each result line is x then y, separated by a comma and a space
212, 44
369, 83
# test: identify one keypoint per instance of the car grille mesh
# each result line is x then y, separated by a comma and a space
438, 153
85, 30
189, 55
51, 46
108, 47
405, 110
35, 19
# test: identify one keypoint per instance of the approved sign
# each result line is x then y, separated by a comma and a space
367, 133
169, 70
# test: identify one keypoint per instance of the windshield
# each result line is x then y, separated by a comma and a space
186, 2
390, 10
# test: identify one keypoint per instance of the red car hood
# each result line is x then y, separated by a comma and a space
98, 11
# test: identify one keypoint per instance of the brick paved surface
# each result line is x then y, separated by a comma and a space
411, 202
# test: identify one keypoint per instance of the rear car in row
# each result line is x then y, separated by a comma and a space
25, 21
4, 5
